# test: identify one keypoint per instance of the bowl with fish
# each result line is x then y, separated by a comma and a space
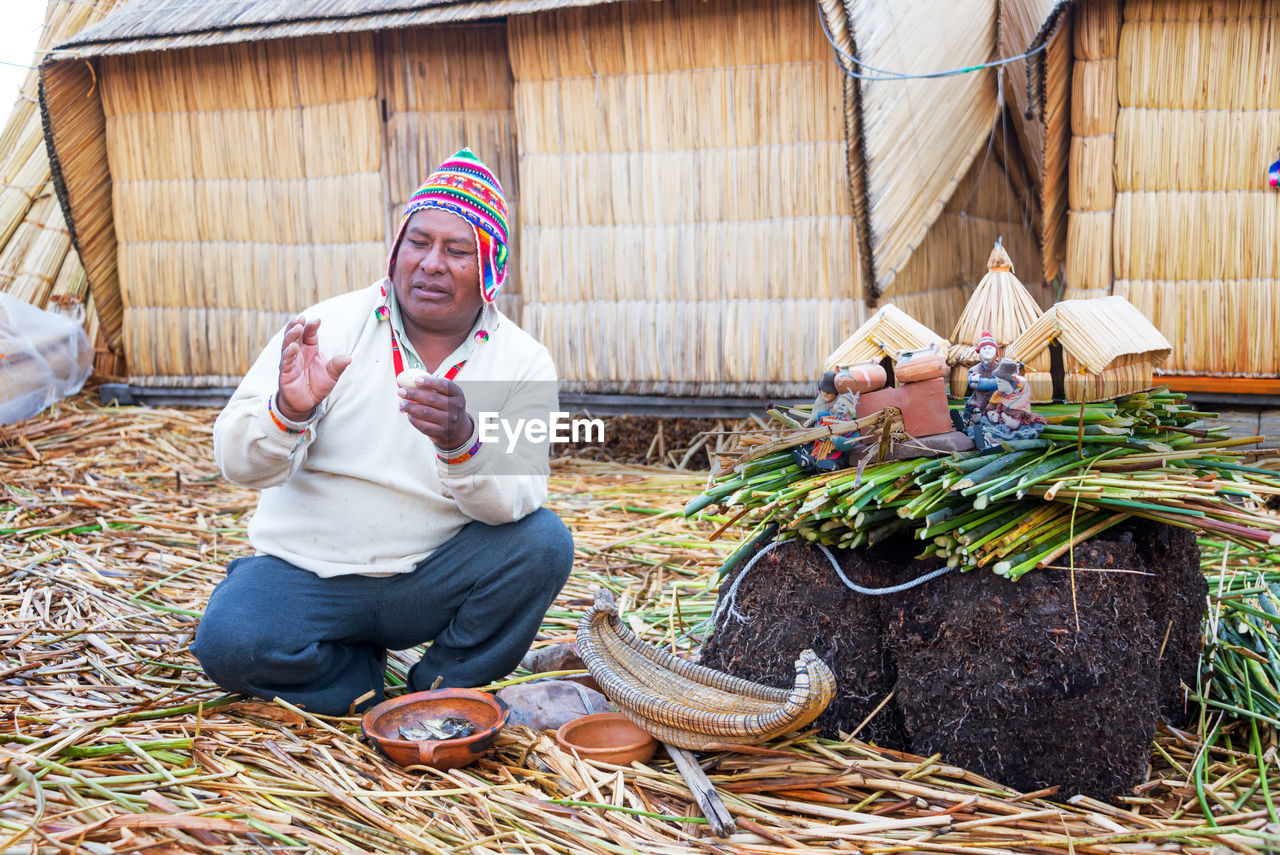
442, 728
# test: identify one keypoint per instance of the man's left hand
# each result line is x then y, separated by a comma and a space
438, 408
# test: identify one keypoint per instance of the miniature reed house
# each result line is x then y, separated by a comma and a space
1108, 348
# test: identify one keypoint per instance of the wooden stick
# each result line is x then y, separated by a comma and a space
704, 792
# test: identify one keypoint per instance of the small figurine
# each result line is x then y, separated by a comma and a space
988, 354
1007, 412
827, 395
830, 406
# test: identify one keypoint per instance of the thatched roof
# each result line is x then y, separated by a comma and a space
145, 25
888, 332
915, 138
1094, 332
1001, 306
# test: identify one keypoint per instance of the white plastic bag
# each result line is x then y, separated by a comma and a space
44, 357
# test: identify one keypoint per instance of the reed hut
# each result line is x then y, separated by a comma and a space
38, 264
1156, 121
885, 335
686, 212
1108, 349
224, 167
1001, 306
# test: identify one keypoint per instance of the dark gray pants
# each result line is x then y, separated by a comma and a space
272, 629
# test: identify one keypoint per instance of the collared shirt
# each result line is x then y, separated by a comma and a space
411, 358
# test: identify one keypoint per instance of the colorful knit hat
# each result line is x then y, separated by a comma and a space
463, 185
987, 339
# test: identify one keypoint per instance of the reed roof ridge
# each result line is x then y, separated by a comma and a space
152, 19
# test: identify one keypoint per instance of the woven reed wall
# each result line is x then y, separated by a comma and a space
444, 88
1090, 181
936, 282
248, 185
686, 223
1196, 226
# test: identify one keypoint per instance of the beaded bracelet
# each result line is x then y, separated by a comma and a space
463, 457
284, 427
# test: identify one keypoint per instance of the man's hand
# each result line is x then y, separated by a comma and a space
306, 377
438, 408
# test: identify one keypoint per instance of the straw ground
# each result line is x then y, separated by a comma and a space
115, 527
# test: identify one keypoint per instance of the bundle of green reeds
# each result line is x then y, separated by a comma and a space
1024, 506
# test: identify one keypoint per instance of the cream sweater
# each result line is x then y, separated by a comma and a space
361, 490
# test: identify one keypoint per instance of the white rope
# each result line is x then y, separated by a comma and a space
728, 601
877, 592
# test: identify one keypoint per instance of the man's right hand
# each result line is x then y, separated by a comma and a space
306, 377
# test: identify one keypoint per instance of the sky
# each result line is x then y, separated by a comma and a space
20, 23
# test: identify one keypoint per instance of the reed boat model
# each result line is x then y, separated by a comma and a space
689, 705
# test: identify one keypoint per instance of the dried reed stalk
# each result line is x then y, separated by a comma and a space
78, 135
1197, 236
1184, 10
1110, 383
936, 282
1108, 346
1193, 218
1187, 150
742, 347
912, 167
236, 206
24, 164
445, 88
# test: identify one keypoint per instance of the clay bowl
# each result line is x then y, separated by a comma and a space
487, 713
609, 737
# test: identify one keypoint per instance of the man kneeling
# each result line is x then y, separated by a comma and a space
384, 522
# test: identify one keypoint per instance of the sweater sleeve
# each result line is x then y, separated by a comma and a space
253, 444
506, 478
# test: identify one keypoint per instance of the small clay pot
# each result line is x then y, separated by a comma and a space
861, 377
609, 737
487, 713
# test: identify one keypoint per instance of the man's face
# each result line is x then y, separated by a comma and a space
437, 273
986, 353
